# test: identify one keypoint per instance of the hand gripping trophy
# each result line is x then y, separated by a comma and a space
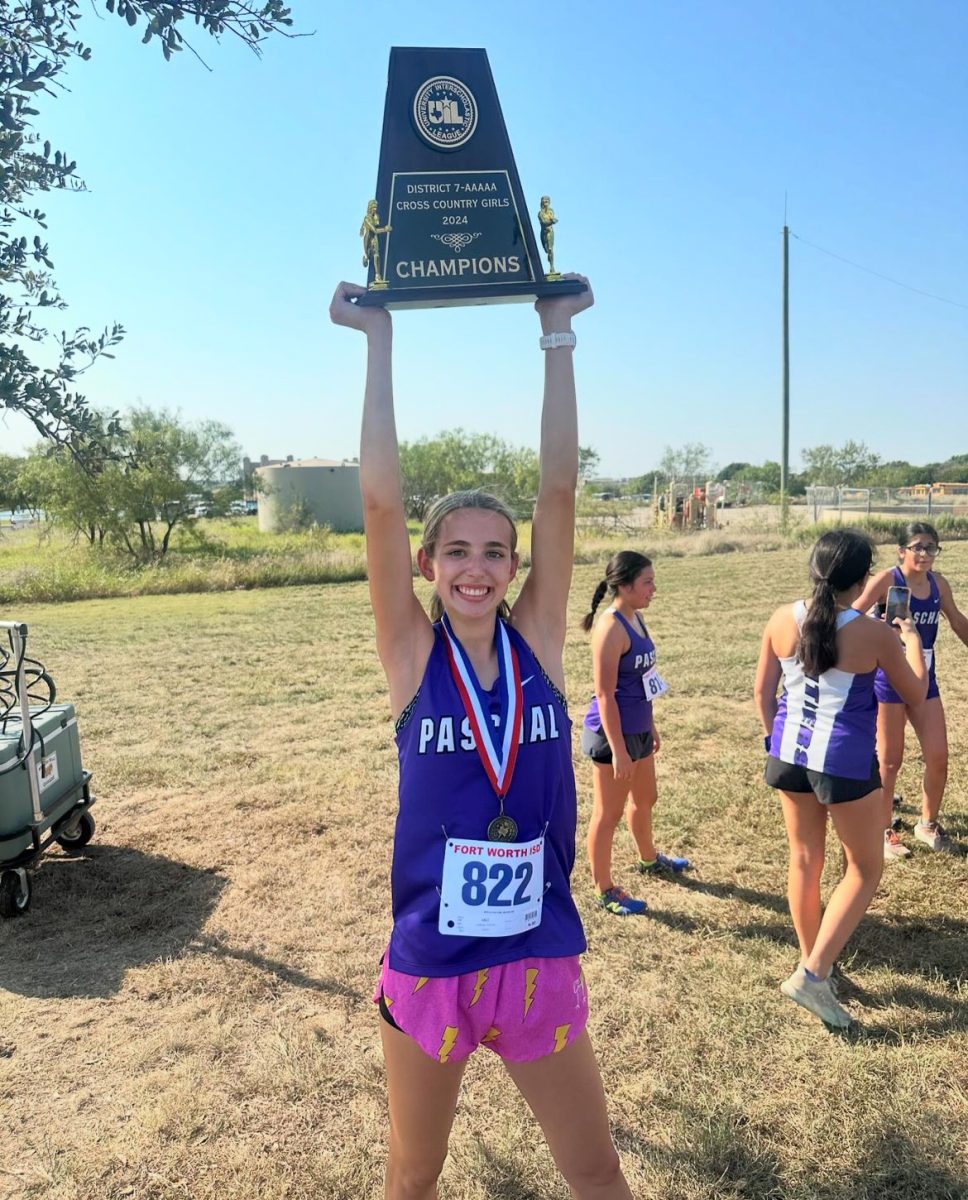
548, 221
370, 232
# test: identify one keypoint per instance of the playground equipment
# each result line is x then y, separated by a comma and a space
687, 507
45, 794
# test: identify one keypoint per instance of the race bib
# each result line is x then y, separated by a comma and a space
655, 686
491, 889
928, 657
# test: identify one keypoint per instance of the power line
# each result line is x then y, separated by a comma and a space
897, 282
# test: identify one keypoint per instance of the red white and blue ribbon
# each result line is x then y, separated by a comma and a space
496, 746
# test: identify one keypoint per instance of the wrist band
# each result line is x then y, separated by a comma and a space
551, 341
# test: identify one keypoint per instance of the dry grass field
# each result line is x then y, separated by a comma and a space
185, 1013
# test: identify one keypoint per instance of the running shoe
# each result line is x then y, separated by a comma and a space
898, 800
933, 836
894, 848
817, 996
621, 904
663, 862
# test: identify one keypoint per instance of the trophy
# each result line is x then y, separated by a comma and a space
448, 224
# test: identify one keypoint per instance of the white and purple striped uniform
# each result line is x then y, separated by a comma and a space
826, 724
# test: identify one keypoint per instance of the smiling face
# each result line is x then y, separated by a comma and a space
472, 563
639, 593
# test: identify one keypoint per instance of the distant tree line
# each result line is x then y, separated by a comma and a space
853, 464
141, 478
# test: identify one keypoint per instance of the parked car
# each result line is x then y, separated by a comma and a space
238, 508
202, 510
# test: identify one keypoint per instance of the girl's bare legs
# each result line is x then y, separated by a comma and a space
565, 1093
858, 825
639, 814
891, 720
610, 795
423, 1100
806, 826
928, 722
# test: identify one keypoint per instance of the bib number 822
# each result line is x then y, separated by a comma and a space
484, 886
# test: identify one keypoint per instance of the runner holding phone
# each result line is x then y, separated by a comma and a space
930, 596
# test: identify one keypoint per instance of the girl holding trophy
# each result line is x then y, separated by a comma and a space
486, 937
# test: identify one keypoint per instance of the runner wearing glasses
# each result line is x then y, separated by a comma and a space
918, 550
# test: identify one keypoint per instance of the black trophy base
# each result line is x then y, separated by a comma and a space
451, 297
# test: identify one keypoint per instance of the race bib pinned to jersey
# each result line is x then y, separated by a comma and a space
491, 889
653, 683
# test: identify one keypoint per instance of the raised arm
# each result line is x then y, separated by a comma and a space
875, 592
956, 618
540, 612
403, 632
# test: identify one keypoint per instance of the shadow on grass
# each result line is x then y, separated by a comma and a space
500, 1177
892, 1167
724, 1153
97, 915
720, 1152
733, 891
932, 949
206, 944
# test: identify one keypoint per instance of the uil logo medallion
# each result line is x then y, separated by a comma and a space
445, 112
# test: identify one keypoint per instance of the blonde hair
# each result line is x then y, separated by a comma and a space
454, 502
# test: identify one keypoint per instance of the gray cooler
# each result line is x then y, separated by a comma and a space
56, 761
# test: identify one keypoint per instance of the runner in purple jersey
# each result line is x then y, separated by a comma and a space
820, 738
619, 733
918, 550
485, 941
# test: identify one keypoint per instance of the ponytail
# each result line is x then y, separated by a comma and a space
840, 559
589, 617
818, 635
622, 570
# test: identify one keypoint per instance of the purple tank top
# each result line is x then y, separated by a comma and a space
926, 615
444, 792
634, 706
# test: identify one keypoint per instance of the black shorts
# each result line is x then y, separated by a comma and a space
594, 745
829, 789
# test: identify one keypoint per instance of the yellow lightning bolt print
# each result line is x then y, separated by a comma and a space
490, 1036
419, 984
447, 1043
478, 987
561, 1038
531, 982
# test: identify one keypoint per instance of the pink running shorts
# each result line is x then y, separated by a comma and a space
521, 1010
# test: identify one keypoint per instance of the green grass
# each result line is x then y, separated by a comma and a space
184, 1013
46, 566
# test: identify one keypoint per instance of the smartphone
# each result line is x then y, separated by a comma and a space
898, 604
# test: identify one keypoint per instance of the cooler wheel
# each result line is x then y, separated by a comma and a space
80, 836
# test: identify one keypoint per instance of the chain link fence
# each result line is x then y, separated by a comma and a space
829, 503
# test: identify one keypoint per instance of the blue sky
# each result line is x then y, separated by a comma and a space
224, 205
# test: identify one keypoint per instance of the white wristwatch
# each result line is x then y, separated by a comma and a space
551, 341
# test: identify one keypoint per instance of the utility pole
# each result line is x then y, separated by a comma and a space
785, 455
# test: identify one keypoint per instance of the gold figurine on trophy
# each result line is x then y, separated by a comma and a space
370, 232
548, 221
